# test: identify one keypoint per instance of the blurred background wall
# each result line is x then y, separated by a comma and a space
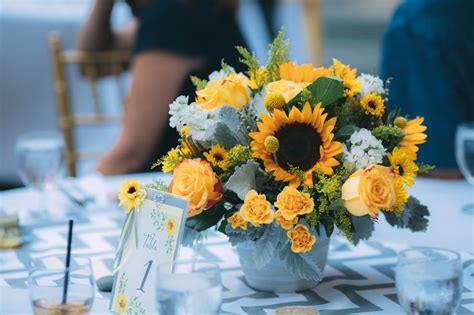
350, 31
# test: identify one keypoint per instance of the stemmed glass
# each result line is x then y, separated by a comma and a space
40, 157
465, 156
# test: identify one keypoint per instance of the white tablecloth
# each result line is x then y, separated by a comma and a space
359, 279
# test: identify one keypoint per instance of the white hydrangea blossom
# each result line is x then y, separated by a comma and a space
201, 122
370, 83
362, 150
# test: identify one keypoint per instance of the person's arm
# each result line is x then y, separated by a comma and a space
156, 79
97, 34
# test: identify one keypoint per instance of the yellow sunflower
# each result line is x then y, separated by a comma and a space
373, 104
351, 87
401, 193
305, 143
403, 166
121, 303
170, 225
130, 195
348, 77
216, 155
413, 136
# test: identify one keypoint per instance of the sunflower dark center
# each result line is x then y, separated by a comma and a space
131, 190
218, 157
372, 105
299, 146
400, 170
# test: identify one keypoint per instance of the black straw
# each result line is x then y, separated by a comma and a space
68, 262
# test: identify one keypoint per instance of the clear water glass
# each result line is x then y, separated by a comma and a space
46, 285
465, 156
40, 159
188, 287
429, 280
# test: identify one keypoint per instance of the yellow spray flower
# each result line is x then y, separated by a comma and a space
236, 221
170, 225
121, 303
216, 155
291, 202
170, 160
373, 104
259, 79
130, 195
302, 240
403, 166
414, 135
256, 209
281, 221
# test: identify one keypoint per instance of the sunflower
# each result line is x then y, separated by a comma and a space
170, 225
348, 77
216, 155
304, 144
121, 303
170, 160
403, 166
413, 136
400, 193
351, 87
373, 104
130, 195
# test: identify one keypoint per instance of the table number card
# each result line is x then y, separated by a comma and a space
152, 237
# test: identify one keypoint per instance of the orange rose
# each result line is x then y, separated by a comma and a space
236, 221
301, 239
256, 209
285, 224
195, 180
231, 90
367, 191
291, 202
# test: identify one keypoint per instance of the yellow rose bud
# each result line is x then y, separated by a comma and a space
236, 221
274, 101
291, 202
256, 209
231, 90
400, 122
271, 144
285, 224
302, 240
367, 191
195, 180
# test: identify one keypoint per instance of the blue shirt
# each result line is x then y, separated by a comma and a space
428, 50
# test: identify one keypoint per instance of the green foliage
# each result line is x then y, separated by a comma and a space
414, 217
277, 54
389, 135
425, 168
301, 265
227, 131
312, 219
236, 156
225, 66
326, 90
345, 132
266, 246
392, 115
198, 83
305, 97
363, 227
344, 224
248, 59
157, 184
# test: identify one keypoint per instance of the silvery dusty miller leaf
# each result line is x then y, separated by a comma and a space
227, 131
265, 246
243, 179
363, 228
301, 265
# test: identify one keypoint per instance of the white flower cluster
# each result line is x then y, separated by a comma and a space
362, 150
201, 122
369, 83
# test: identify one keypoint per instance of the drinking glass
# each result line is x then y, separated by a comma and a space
46, 285
188, 287
40, 157
429, 280
465, 156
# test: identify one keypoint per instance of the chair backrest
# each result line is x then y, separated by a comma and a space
93, 65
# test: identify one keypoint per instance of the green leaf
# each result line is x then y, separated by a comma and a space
363, 228
414, 217
301, 265
207, 218
198, 83
227, 131
345, 132
243, 179
337, 206
265, 247
326, 90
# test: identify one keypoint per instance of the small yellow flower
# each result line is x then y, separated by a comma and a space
216, 155
170, 225
130, 195
121, 303
373, 104
403, 166
351, 87
274, 101
285, 224
170, 160
302, 240
259, 79
236, 221
256, 209
271, 144
291, 202
400, 122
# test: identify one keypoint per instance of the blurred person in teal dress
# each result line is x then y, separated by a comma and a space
428, 50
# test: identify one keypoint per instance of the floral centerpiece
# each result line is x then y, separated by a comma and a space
278, 157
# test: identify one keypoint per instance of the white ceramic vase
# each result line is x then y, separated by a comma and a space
275, 277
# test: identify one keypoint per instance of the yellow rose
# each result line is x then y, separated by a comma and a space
236, 221
256, 209
291, 202
285, 224
231, 90
288, 89
195, 180
301, 239
367, 191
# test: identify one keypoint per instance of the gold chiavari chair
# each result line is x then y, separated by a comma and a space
92, 65
313, 30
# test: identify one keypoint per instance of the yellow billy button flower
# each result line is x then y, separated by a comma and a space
256, 209
400, 122
131, 196
121, 303
291, 202
373, 104
285, 224
274, 100
271, 144
302, 240
370, 190
236, 221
